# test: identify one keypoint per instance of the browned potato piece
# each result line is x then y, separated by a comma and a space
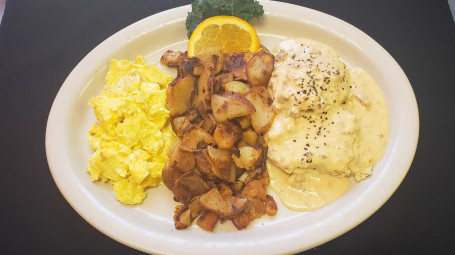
262, 119
236, 205
235, 86
196, 138
205, 165
221, 157
209, 123
260, 69
225, 191
185, 218
178, 125
198, 67
270, 206
214, 201
172, 58
226, 174
201, 97
245, 122
255, 189
248, 157
207, 221
242, 220
179, 210
227, 134
212, 58
229, 105
254, 210
185, 68
250, 137
181, 160
224, 207
263, 49
241, 144
224, 78
179, 94
195, 207
220, 79
170, 175
218, 167
237, 64
255, 192
182, 124
188, 186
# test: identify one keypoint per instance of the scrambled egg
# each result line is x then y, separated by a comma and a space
133, 134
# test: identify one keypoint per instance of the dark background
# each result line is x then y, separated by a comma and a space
42, 41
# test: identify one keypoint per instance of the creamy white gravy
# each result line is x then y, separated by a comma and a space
332, 123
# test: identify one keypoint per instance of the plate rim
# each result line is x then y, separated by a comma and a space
168, 16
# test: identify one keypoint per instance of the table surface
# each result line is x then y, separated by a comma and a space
42, 41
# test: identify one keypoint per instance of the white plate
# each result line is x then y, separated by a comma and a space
149, 227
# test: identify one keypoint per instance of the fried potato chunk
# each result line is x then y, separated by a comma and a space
221, 157
260, 68
205, 164
172, 58
250, 137
270, 206
183, 124
170, 175
188, 186
201, 97
227, 134
237, 64
181, 221
229, 105
195, 207
263, 49
195, 139
212, 58
180, 159
235, 86
224, 78
224, 207
245, 122
247, 157
207, 221
179, 94
258, 201
209, 123
262, 118
185, 67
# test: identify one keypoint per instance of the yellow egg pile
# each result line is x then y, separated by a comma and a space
133, 133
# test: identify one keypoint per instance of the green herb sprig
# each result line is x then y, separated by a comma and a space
203, 9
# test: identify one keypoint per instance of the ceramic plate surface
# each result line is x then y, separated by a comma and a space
149, 227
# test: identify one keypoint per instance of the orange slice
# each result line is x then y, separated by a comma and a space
230, 33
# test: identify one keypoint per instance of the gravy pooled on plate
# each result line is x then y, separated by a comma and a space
332, 123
